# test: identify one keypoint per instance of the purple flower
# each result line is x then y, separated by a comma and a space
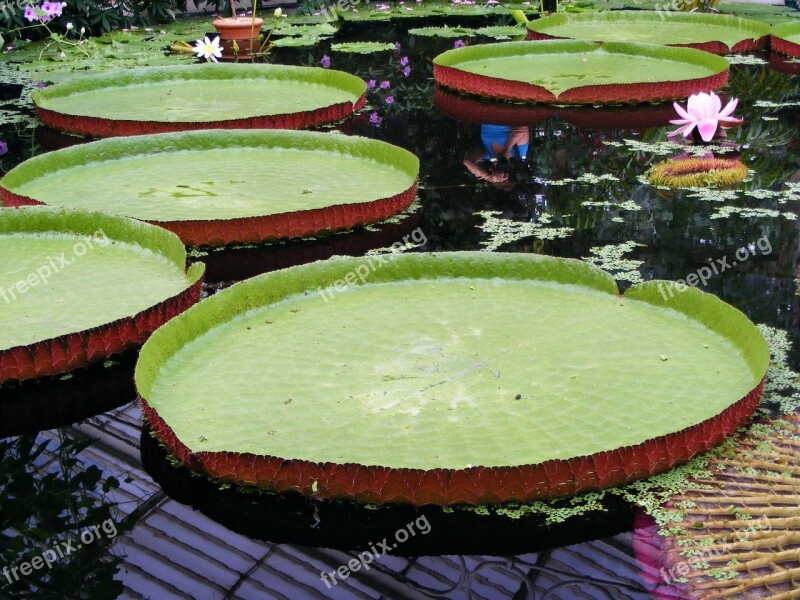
397, 46
41, 84
370, 84
404, 61
459, 44
325, 62
406, 71
30, 14
3, 148
53, 9
385, 84
389, 99
375, 119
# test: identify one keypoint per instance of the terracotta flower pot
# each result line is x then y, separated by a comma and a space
244, 31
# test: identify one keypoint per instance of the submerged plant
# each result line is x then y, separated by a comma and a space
704, 112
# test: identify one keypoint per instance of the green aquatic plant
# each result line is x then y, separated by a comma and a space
362, 47
610, 258
698, 172
506, 231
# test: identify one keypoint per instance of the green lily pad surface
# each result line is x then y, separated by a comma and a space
63, 272
668, 28
445, 361
197, 94
211, 176
550, 69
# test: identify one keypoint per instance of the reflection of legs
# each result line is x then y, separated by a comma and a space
520, 137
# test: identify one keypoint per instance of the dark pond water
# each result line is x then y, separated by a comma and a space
579, 193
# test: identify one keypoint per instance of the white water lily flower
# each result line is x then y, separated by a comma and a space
208, 49
278, 13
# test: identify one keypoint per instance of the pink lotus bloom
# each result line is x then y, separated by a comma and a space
705, 112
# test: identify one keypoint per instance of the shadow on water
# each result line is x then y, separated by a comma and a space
295, 519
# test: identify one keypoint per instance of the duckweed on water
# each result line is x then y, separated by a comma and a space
610, 258
506, 231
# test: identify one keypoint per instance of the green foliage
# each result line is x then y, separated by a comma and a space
96, 16
39, 511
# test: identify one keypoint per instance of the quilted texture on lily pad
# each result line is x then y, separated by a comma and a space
450, 378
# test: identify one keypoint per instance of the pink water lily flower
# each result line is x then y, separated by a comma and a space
705, 112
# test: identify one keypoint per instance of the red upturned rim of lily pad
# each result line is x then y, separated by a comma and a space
476, 485
74, 350
758, 40
99, 126
448, 486
784, 46
447, 73
250, 229
478, 110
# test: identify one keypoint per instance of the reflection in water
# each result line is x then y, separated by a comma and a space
582, 172
35, 405
294, 519
62, 520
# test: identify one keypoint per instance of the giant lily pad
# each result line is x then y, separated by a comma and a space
445, 379
212, 96
785, 39
578, 72
219, 187
77, 287
720, 34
